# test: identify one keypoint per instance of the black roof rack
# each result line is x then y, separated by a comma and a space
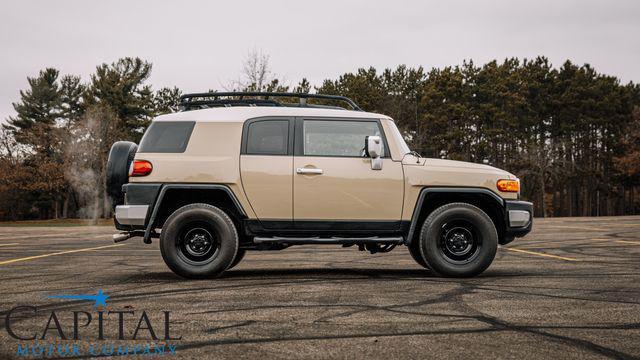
213, 99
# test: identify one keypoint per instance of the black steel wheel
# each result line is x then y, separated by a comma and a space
197, 244
460, 241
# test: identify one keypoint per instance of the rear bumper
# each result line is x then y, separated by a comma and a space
138, 200
131, 214
518, 219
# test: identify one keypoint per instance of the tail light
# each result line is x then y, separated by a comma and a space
507, 185
140, 168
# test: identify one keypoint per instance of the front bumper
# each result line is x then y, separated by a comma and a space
518, 219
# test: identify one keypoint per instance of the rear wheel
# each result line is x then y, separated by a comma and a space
458, 240
239, 256
198, 241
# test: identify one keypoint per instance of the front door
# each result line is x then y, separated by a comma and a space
333, 183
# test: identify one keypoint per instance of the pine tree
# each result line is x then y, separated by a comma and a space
38, 106
72, 92
43, 111
121, 87
303, 86
166, 100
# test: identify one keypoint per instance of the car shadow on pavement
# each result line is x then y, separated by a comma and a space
326, 273
366, 272
289, 273
330, 272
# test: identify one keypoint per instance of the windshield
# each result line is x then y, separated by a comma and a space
398, 138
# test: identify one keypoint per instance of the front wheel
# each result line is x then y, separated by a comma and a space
198, 241
416, 254
458, 240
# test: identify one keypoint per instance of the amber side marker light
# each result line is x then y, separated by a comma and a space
140, 168
506, 185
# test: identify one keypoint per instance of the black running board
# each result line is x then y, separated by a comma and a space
330, 240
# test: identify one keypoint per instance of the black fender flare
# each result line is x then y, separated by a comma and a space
167, 187
431, 190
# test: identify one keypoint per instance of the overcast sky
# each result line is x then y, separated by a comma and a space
198, 45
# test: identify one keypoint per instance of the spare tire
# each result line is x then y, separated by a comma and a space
120, 158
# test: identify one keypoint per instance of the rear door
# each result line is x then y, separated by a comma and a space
266, 163
333, 183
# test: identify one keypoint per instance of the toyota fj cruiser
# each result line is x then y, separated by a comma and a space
233, 172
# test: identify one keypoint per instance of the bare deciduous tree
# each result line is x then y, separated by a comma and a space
256, 75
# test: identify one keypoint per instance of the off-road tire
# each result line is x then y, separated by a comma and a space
183, 241
239, 256
416, 254
120, 157
444, 239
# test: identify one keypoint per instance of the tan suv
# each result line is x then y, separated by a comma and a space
234, 172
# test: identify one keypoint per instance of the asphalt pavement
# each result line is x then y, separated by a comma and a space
570, 289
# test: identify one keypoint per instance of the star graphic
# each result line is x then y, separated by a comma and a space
99, 299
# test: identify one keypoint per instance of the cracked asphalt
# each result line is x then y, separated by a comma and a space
570, 289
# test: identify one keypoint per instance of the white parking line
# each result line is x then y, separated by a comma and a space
542, 254
57, 253
628, 242
75, 236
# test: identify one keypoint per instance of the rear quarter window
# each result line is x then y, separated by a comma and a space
166, 137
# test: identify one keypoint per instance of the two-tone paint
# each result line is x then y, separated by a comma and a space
270, 190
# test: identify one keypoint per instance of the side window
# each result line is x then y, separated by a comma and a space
268, 137
166, 137
337, 137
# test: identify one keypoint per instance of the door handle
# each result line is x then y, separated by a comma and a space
307, 171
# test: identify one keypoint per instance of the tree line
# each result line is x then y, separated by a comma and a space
54, 150
571, 134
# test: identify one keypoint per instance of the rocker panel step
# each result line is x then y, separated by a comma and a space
330, 240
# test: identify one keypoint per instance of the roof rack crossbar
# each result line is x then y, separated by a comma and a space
212, 99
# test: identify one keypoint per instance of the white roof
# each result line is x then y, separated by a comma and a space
242, 113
